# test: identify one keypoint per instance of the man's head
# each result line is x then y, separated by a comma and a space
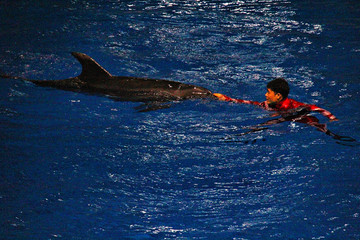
277, 90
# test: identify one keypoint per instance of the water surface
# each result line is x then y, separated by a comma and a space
76, 166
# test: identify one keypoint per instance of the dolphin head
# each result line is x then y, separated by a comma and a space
194, 92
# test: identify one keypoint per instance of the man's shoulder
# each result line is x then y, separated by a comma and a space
294, 103
288, 104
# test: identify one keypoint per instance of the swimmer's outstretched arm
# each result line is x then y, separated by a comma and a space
223, 97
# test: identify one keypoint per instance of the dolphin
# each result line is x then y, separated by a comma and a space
94, 79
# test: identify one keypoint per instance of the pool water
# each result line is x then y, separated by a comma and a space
80, 166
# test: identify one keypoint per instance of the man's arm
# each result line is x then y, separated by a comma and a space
223, 97
293, 104
324, 112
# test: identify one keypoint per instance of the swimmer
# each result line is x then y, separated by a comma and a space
289, 109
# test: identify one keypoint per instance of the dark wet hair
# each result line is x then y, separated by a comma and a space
279, 85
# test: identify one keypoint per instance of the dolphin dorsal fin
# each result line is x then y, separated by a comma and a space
90, 68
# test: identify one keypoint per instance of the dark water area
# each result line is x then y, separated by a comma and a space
81, 166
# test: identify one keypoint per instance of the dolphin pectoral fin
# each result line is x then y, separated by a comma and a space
153, 106
90, 68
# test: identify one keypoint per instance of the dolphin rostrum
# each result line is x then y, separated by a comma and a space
95, 79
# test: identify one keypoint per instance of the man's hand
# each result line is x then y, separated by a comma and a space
220, 96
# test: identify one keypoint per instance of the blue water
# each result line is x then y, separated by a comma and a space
77, 166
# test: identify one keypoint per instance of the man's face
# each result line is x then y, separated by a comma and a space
272, 97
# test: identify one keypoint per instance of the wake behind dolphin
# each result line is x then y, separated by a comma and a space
95, 79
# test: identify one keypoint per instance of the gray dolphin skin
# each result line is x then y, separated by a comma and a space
94, 79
